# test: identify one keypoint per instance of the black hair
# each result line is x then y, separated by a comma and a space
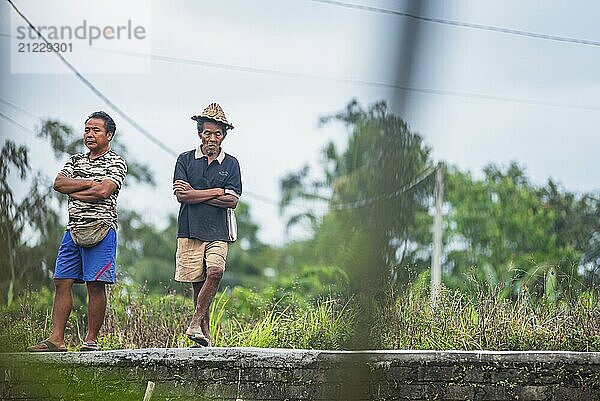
109, 123
200, 125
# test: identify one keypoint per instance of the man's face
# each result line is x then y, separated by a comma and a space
95, 137
212, 135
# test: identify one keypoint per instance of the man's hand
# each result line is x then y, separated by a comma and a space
180, 185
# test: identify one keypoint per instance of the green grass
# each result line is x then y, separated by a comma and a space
325, 325
489, 322
272, 318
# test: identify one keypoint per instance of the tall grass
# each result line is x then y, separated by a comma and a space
23, 324
326, 325
488, 322
405, 320
137, 319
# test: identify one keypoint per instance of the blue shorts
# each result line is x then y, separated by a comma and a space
96, 263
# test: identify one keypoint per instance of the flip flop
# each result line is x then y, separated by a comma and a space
46, 346
89, 346
199, 338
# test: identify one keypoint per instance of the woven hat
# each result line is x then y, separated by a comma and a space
213, 112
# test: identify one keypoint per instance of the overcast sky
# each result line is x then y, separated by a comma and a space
314, 51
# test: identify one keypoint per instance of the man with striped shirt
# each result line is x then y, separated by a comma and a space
92, 182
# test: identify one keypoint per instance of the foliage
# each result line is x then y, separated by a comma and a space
488, 322
138, 319
147, 253
505, 231
25, 227
373, 201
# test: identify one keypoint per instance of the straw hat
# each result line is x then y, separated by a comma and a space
213, 112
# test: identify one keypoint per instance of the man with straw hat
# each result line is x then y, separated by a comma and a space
207, 183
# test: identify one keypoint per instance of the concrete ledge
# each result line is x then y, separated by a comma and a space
282, 374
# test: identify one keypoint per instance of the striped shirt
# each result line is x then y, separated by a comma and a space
108, 166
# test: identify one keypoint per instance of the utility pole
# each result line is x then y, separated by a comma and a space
436, 257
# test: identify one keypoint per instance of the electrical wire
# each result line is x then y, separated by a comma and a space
462, 24
374, 84
386, 85
101, 95
18, 124
119, 111
365, 202
14, 106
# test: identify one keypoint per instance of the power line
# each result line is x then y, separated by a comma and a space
399, 191
14, 106
249, 193
462, 24
142, 130
346, 206
18, 124
290, 74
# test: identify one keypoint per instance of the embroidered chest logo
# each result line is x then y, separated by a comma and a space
223, 173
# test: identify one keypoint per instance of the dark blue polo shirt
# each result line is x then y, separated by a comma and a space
201, 220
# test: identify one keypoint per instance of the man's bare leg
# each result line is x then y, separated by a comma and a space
61, 309
205, 324
96, 309
205, 297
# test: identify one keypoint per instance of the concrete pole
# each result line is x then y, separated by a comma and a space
436, 257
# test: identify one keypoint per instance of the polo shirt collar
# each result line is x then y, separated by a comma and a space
200, 155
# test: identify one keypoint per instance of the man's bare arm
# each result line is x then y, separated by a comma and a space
193, 196
225, 201
84, 197
185, 193
98, 191
213, 196
66, 185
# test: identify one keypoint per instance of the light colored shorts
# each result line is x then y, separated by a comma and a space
193, 256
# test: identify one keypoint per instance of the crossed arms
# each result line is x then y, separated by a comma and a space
84, 190
93, 191
185, 193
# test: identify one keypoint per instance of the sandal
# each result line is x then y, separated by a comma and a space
46, 346
89, 346
199, 338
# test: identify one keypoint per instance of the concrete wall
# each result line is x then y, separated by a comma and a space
276, 374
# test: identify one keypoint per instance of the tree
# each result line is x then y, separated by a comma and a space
374, 195
504, 230
18, 221
576, 226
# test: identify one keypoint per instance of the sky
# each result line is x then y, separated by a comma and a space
277, 66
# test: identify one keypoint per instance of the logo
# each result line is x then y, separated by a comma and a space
95, 36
